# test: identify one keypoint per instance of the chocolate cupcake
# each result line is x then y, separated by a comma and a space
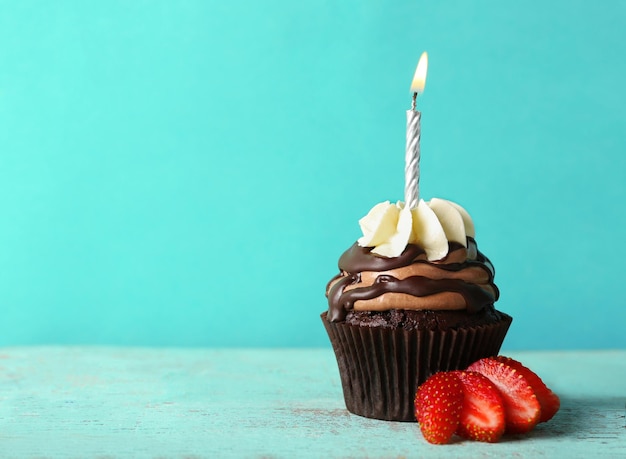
414, 296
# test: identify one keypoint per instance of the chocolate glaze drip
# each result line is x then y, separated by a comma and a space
357, 259
338, 308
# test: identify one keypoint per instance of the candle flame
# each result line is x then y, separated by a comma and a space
419, 79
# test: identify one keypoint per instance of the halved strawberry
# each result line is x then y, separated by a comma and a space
438, 403
521, 407
482, 415
549, 401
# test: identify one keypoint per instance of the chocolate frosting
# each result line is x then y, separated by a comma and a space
356, 260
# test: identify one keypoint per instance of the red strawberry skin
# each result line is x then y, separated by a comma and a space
549, 401
482, 415
438, 404
521, 407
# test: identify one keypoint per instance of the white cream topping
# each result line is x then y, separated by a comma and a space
390, 227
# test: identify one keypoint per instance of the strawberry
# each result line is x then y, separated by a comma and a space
482, 415
438, 403
548, 400
521, 407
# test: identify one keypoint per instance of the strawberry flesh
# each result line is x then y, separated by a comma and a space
438, 404
549, 401
522, 410
482, 415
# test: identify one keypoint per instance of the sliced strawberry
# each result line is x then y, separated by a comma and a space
549, 401
438, 403
482, 415
521, 407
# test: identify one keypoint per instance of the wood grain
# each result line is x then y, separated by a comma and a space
82, 402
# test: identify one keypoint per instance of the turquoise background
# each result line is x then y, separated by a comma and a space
188, 172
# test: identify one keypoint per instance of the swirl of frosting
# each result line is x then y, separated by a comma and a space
438, 267
463, 280
389, 228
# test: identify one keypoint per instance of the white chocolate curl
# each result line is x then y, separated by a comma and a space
389, 228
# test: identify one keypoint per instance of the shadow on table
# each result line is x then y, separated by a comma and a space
597, 418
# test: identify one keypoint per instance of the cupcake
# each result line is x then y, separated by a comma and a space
413, 296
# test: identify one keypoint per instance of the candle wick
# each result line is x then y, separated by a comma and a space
414, 102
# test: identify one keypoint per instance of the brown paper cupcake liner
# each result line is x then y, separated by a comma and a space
381, 368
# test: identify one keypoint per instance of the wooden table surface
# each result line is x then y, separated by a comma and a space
90, 402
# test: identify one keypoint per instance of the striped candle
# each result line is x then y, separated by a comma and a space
413, 133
